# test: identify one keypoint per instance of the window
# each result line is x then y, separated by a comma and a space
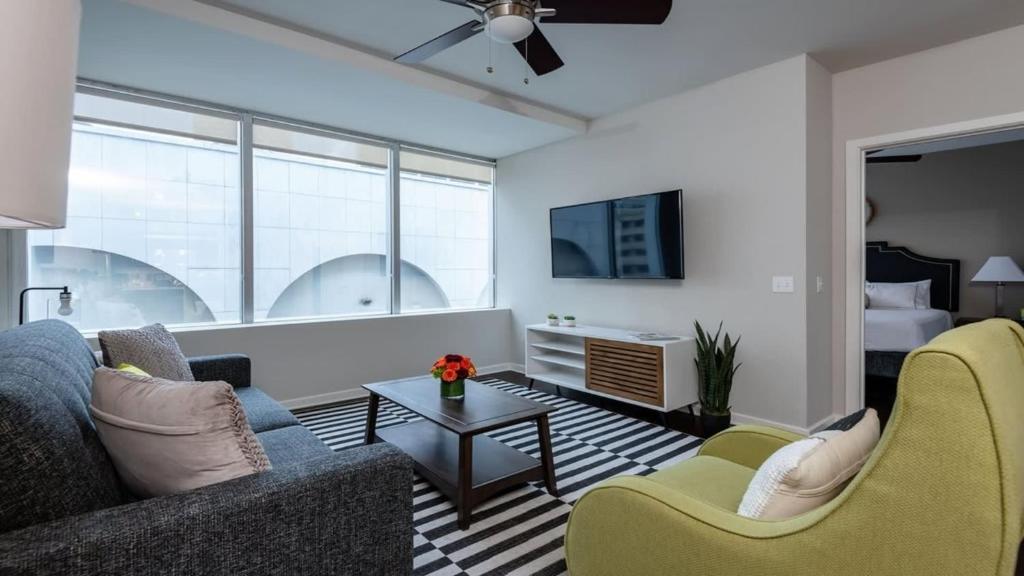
446, 232
321, 230
154, 219
157, 221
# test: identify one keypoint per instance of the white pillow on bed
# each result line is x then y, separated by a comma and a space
899, 296
922, 294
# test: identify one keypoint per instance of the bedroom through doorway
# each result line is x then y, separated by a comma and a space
942, 246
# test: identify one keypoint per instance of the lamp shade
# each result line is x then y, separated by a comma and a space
999, 269
38, 61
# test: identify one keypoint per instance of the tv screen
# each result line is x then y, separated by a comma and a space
647, 236
581, 241
635, 237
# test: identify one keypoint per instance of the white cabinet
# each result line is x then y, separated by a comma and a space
614, 364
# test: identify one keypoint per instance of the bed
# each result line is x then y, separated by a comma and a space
889, 334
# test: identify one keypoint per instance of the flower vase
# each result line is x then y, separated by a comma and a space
453, 390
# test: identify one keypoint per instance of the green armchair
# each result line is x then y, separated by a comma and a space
943, 493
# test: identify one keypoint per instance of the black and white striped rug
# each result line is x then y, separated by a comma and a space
519, 532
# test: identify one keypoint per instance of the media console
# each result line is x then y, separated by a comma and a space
614, 364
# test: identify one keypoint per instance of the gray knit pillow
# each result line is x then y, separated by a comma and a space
151, 348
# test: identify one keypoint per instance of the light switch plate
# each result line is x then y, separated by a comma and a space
783, 285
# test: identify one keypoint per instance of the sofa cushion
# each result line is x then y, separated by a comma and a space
151, 348
707, 478
169, 437
263, 412
52, 463
291, 445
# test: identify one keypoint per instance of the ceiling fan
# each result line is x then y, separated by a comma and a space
515, 22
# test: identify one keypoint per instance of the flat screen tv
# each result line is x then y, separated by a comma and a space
639, 237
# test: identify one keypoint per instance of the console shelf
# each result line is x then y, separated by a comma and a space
614, 364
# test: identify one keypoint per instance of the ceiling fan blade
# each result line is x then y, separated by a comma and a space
539, 53
607, 11
893, 159
442, 42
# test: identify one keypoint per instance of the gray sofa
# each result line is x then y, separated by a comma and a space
64, 511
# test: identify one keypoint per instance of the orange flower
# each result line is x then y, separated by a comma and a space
453, 366
466, 362
449, 375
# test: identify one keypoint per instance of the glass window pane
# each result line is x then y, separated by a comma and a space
446, 233
321, 229
154, 222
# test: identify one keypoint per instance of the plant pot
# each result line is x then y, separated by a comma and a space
552, 321
569, 323
711, 424
453, 390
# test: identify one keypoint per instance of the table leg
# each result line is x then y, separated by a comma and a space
546, 458
464, 491
371, 418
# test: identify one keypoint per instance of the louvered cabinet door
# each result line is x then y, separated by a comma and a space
631, 371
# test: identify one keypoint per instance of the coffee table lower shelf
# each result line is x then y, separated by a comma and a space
435, 451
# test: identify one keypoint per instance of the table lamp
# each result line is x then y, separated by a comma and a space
999, 270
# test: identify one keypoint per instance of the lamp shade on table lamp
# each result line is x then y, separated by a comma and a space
38, 62
999, 270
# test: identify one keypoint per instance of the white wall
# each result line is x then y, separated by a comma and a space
976, 78
819, 234
738, 149
964, 204
330, 360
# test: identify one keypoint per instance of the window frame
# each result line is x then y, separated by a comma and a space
247, 119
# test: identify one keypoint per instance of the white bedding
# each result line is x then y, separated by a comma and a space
902, 330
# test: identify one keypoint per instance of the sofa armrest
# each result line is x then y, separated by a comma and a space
747, 445
235, 369
345, 513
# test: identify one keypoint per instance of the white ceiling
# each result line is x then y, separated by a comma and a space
610, 68
328, 61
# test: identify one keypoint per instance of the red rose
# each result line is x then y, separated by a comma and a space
466, 362
463, 373
453, 366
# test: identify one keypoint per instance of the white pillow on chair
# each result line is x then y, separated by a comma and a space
803, 475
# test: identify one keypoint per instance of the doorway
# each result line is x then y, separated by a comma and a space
857, 213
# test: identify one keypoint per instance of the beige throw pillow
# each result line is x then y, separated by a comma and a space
806, 474
167, 437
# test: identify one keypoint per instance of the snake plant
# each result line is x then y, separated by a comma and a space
715, 370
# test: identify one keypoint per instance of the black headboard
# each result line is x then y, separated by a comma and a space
896, 264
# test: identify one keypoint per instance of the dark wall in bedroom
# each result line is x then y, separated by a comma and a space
966, 204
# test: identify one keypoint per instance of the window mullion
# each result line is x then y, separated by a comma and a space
248, 224
395, 235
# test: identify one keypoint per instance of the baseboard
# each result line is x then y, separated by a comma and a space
357, 393
744, 419
329, 398
825, 423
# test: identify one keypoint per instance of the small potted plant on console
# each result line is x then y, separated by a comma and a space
552, 319
715, 371
570, 321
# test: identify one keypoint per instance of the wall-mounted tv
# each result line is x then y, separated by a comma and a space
636, 237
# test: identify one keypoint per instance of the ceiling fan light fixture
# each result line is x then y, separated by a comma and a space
509, 22
509, 29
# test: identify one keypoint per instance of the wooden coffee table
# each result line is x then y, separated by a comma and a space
449, 446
